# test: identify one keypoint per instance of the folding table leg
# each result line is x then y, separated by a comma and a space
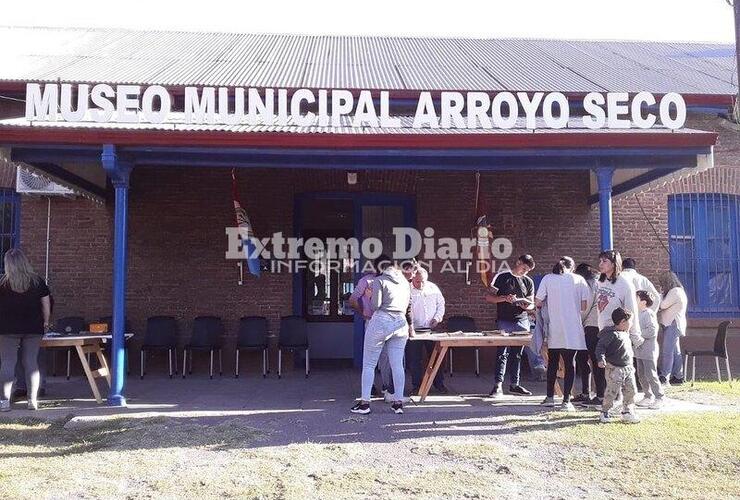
185, 362
141, 365
693, 370
306, 363
450, 353
236, 364
69, 361
220, 364
280, 363
169, 360
719, 374
477, 362
264, 363
729, 375
210, 369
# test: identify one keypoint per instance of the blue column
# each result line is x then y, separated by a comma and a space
119, 172
604, 177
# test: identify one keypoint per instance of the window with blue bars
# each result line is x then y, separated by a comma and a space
9, 221
705, 251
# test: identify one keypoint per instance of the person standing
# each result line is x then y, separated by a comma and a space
672, 316
646, 354
513, 294
591, 331
615, 354
640, 282
567, 296
427, 311
613, 290
359, 300
388, 327
25, 311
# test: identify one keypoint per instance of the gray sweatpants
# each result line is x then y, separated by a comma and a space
647, 372
29, 347
389, 332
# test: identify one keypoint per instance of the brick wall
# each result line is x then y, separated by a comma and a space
178, 217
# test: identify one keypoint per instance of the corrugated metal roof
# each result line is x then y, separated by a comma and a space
393, 63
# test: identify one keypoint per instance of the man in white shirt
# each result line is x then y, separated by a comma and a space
640, 281
427, 311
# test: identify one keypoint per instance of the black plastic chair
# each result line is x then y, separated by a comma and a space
108, 320
463, 324
719, 352
293, 337
252, 336
208, 332
161, 335
70, 325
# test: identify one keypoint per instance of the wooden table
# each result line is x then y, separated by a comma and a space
443, 341
84, 345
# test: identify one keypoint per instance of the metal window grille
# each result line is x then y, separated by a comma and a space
9, 221
704, 238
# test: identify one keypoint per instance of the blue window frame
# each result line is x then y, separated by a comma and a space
705, 251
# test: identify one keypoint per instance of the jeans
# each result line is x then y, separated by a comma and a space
415, 354
503, 352
671, 361
534, 358
391, 332
29, 348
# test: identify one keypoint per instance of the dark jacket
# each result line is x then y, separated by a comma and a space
615, 347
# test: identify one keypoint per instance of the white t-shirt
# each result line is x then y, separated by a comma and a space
564, 293
622, 294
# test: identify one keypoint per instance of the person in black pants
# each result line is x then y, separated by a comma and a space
591, 329
513, 294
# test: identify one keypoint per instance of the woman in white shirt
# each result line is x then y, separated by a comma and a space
672, 315
567, 295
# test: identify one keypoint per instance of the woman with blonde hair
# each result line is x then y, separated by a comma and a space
25, 309
672, 315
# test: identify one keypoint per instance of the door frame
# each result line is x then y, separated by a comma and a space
359, 200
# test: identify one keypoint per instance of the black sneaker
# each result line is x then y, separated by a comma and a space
676, 381
374, 392
594, 402
519, 390
581, 398
662, 379
441, 388
397, 407
361, 407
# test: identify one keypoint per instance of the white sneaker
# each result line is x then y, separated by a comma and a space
4, 405
646, 402
568, 407
605, 418
33, 405
548, 402
630, 418
658, 403
387, 397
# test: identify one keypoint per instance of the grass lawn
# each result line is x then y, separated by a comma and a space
687, 455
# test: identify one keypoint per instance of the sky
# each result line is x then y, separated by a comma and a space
667, 20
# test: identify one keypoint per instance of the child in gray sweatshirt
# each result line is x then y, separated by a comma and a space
614, 354
646, 354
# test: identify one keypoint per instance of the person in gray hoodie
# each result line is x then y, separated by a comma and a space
646, 355
615, 355
389, 327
